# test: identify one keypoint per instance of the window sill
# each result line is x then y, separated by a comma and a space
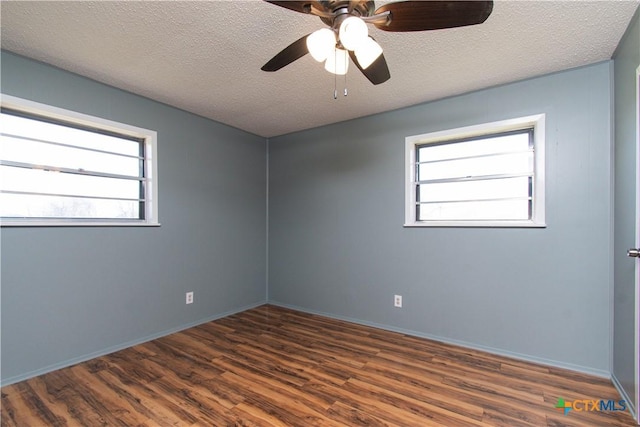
476, 224
26, 224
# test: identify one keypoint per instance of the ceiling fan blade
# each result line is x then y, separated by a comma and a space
433, 15
377, 72
353, 4
299, 6
286, 56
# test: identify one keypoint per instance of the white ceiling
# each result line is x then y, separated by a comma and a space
205, 56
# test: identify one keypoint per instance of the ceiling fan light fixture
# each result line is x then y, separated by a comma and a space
353, 32
368, 52
348, 20
337, 62
321, 43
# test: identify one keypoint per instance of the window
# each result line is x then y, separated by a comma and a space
489, 175
58, 167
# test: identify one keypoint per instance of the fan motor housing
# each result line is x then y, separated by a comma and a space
340, 9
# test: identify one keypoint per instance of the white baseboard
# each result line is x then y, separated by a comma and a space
500, 352
113, 349
630, 403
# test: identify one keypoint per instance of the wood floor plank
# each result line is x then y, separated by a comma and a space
288, 396
117, 411
291, 408
435, 387
345, 415
318, 361
272, 366
156, 408
147, 411
18, 409
409, 404
404, 386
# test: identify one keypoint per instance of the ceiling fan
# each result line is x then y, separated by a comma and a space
347, 35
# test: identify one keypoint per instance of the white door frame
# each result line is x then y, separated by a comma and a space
637, 242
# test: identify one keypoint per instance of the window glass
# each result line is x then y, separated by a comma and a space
61, 165
487, 175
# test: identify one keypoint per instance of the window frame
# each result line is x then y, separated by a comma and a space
412, 143
80, 120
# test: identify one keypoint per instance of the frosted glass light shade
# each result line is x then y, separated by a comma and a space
337, 62
321, 43
353, 32
368, 52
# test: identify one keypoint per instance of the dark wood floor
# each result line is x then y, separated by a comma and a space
275, 367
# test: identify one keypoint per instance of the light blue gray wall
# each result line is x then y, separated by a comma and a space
337, 245
627, 59
70, 293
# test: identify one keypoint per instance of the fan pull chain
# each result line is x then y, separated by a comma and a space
345, 84
335, 80
335, 76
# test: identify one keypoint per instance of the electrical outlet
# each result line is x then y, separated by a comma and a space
189, 297
397, 301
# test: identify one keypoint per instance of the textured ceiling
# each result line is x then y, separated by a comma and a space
205, 56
